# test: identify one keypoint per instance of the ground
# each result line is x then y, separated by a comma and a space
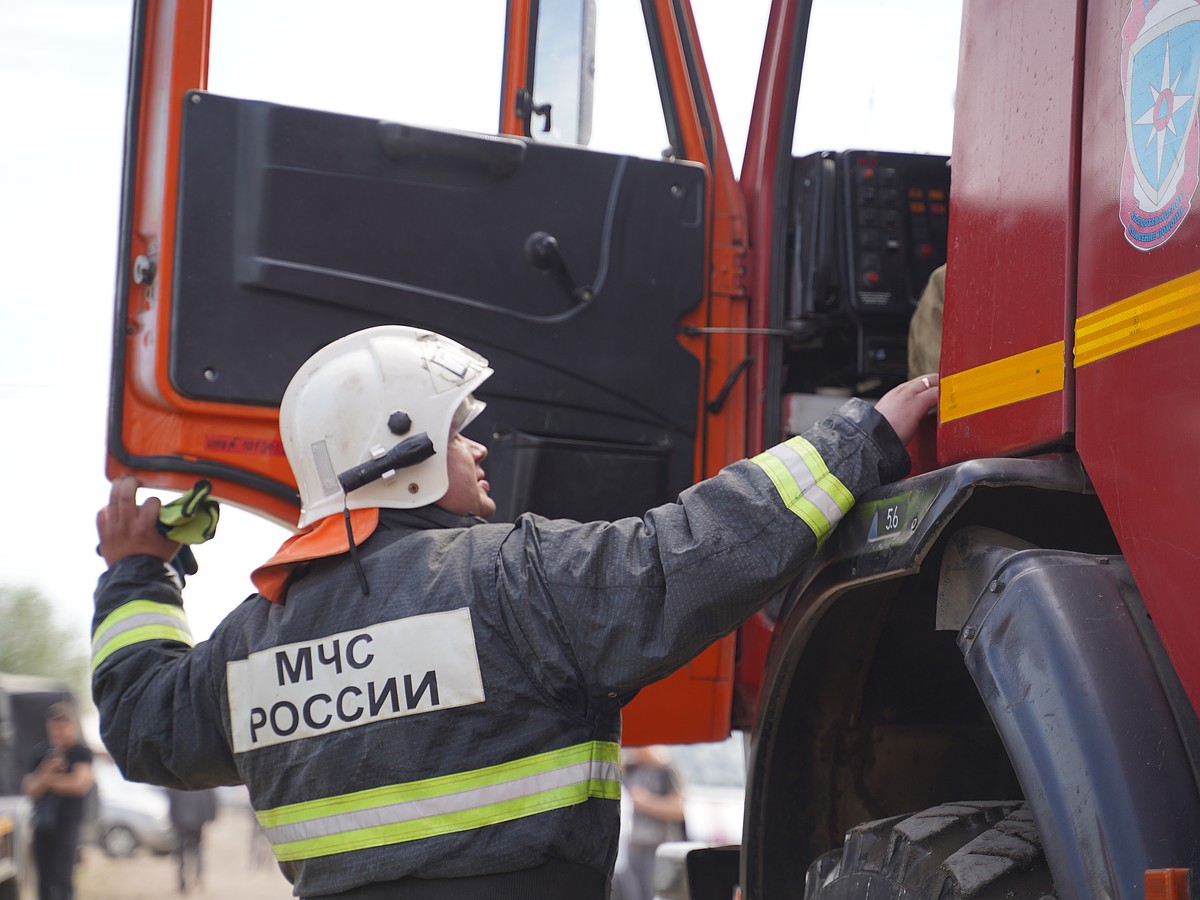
230, 868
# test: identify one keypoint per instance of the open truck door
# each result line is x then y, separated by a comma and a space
255, 232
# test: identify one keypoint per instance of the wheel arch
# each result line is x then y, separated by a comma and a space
868, 709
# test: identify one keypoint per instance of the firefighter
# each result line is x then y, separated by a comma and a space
423, 704
925, 327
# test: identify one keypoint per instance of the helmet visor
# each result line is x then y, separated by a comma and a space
466, 413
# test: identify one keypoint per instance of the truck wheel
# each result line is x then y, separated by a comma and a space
978, 850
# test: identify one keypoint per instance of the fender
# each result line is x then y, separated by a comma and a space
1096, 724
867, 708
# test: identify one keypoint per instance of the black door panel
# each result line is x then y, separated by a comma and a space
568, 269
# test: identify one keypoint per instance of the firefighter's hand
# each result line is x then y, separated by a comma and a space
127, 529
905, 405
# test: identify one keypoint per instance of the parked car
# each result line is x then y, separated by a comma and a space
713, 778
714, 789
129, 816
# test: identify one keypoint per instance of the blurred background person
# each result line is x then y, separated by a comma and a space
190, 812
656, 798
59, 777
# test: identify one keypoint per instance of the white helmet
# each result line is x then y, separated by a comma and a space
354, 403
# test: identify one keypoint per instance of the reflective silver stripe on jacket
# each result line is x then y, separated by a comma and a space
446, 804
141, 620
806, 485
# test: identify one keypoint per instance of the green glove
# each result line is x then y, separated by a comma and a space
192, 518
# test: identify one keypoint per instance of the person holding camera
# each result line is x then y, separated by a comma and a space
59, 777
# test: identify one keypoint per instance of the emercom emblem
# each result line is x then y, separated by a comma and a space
1160, 81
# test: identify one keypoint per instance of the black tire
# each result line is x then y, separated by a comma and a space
118, 842
977, 850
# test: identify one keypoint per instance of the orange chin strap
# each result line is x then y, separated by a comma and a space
325, 537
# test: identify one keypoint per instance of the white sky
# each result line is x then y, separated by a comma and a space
62, 102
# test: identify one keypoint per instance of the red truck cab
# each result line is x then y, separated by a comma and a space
991, 669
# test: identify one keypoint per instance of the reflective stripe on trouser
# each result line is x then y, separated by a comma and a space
806, 485
397, 813
141, 620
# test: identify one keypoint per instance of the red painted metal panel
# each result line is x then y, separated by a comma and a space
1011, 257
1138, 411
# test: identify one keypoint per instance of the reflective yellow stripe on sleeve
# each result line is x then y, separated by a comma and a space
397, 813
141, 620
806, 485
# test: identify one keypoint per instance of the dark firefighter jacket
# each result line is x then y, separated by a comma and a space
464, 717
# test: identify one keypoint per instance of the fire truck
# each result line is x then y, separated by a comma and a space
986, 684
